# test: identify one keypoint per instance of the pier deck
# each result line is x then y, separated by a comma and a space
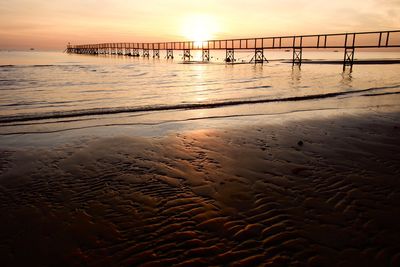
348, 42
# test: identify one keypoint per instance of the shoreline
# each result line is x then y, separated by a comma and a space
316, 192
50, 133
189, 106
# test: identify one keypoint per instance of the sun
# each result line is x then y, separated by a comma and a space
199, 28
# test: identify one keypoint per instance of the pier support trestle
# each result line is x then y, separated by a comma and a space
205, 55
146, 53
135, 53
156, 53
186, 55
348, 58
230, 56
297, 56
170, 54
259, 57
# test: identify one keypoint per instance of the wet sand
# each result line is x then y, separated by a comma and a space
316, 192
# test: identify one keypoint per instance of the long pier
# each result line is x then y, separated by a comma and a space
349, 42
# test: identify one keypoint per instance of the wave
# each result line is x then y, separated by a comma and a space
62, 65
43, 65
181, 106
259, 87
162, 122
29, 66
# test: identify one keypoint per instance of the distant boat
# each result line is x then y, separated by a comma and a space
32, 49
335, 51
287, 50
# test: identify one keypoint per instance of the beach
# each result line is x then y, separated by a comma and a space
311, 189
142, 163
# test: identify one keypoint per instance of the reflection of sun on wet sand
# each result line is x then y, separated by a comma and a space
303, 193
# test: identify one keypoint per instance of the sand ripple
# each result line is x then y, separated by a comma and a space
242, 197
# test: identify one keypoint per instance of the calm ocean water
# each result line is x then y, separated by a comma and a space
45, 85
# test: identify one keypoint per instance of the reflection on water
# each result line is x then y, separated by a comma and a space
347, 79
200, 95
296, 76
36, 83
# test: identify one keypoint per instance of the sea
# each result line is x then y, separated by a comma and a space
56, 91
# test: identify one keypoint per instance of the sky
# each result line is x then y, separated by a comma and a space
51, 24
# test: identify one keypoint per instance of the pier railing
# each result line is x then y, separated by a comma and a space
347, 41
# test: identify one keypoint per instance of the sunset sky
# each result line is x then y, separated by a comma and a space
52, 24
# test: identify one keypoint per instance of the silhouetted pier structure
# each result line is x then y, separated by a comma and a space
348, 42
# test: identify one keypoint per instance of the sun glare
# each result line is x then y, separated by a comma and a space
199, 28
